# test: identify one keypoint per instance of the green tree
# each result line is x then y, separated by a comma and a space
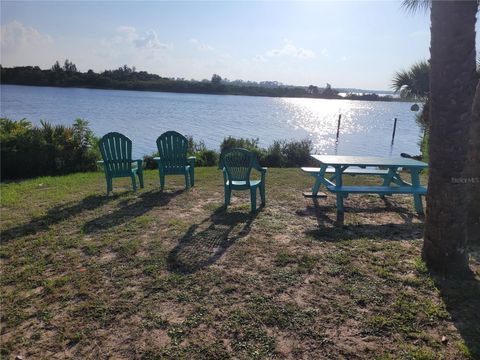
216, 79
69, 66
56, 67
312, 89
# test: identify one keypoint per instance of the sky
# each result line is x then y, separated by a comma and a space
354, 44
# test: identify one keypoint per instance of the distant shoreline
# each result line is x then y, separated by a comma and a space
126, 78
210, 93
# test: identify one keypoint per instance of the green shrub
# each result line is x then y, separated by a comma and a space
297, 153
289, 153
149, 163
281, 153
29, 151
231, 142
249, 144
206, 158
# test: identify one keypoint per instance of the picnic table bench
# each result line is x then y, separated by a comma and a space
386, 168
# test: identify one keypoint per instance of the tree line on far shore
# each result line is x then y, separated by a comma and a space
128, 78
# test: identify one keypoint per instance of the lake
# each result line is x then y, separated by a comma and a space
366, 126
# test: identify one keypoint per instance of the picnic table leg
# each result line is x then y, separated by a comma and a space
338, 182
318, 180
316, 186
388, 179
417, 197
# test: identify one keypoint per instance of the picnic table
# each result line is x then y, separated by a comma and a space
333, 167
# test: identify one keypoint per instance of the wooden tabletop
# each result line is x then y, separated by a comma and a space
336, 160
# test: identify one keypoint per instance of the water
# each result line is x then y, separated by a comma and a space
366, 126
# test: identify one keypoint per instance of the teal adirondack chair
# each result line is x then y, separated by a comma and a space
116, 150
173, 160
237, 165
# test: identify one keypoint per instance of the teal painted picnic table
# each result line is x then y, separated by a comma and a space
387, 168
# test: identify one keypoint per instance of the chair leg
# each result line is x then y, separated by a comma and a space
134, 183
187, 180
140, 178
228, 193
253, 198
262, 194
109, 185
162, 180
192, 176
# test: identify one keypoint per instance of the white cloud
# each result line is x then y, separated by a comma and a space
150, 41
128, 35
16, 35
260, 58
290, 50
201, 45
325, 52
21, 45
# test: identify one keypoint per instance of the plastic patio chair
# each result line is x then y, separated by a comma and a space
237, 165
116, 150
173, 160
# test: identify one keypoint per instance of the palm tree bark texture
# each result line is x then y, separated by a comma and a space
472, 173
452, 88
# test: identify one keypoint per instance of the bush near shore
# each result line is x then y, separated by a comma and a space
281, 153
28, 150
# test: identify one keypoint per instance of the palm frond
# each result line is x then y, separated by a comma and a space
414, 82
413, 6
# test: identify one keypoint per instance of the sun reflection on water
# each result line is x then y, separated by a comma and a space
363, 125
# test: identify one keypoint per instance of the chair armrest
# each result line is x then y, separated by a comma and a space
100, 162
156, 158
139, 163
260, 168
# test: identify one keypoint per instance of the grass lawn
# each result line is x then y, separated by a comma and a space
157, 275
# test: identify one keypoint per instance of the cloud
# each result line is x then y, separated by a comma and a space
16, 35
325, 52
201, 45
150, 41
260, 58
21, 45
128, 35
290, 50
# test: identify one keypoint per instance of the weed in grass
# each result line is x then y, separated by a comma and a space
283, 258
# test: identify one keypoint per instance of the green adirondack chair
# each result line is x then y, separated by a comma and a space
173, 160
116, 150
237, 165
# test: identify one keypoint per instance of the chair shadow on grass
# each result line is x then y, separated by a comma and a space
56, 215
331, 230
206, 242
129, 209
462, 300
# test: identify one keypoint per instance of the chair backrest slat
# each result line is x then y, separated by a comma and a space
172, 148
238, 163
116, 150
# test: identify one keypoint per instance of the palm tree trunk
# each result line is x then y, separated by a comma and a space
472, 174
452, 88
